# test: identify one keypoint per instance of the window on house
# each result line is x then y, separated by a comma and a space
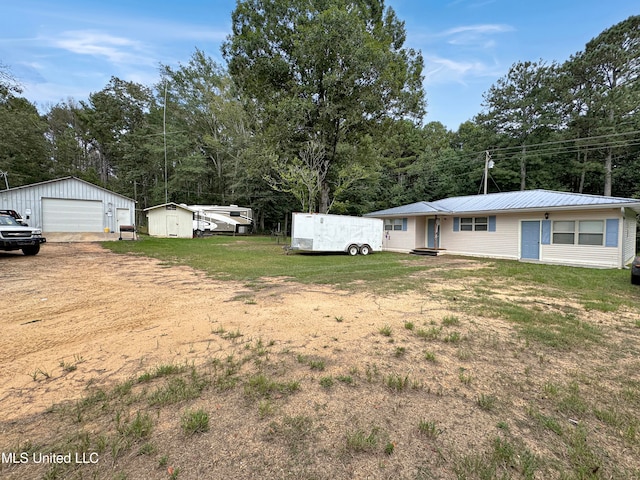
466, 224
170, 207
469, 224
393, 224
481, 224
591, 232
564, 232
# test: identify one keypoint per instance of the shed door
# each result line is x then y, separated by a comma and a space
530, 241
172, 225
64, 215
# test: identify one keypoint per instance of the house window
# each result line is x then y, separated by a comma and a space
590, 232
479, 224
397, 224
170, 207
564, 232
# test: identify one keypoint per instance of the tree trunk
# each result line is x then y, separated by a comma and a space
324, 198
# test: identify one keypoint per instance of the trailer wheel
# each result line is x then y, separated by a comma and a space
352, 250
365, 250
198, 233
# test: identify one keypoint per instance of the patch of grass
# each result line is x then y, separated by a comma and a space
429, 429
260, 386
348, 379
140, 427
386, 331
397, 383
326, 382
196, 421
429, 334
486, 402
178, 389
450, 320
360, 441
429, 356
409, 325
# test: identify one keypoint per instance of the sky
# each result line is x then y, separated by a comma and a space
67, 49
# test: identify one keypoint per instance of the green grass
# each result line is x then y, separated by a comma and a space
249, 259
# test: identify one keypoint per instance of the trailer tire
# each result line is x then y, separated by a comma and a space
198, 233
352, 250
365, 250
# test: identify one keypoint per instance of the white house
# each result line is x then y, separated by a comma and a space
534, 225
69, 205
170, 220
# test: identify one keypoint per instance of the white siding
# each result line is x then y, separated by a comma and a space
404, 241
584, 255
503, 243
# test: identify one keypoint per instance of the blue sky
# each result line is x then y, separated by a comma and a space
65, 49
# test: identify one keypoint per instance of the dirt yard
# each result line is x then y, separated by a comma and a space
77, 317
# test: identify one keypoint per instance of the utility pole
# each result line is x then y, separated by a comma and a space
164, 138
488, 163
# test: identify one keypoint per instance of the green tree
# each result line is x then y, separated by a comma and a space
24, 150
523, 107
326, 72
210, 132
604, 81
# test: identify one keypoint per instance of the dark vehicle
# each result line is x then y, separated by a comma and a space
15, 236
15, 215
635, 271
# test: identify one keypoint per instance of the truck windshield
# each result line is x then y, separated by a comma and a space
7, 220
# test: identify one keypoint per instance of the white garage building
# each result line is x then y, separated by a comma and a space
69, 205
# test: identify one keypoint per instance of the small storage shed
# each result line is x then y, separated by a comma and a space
69, 204
170, 220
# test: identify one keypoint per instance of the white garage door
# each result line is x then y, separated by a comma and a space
62, 215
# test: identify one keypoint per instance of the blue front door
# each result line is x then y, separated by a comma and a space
431, 233
530, 242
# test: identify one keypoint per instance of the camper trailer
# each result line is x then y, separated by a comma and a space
212, 219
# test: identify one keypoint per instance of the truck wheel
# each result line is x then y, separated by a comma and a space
31, 249
365, 250
353, 250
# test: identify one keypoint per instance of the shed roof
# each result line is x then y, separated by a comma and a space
526, 200
183, 207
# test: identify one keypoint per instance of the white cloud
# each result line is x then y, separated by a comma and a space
439, 70
115, 49
475, 35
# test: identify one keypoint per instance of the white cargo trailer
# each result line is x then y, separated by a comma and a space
316, 232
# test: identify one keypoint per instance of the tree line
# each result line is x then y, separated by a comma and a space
321, 107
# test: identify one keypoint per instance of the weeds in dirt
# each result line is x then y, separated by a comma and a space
194, 421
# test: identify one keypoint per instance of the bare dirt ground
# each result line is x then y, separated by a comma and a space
114, 317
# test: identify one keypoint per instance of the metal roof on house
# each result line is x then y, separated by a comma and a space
509, 201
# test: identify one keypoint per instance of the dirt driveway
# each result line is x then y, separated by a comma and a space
113, 316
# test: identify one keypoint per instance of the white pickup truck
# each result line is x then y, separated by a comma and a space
16, 236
